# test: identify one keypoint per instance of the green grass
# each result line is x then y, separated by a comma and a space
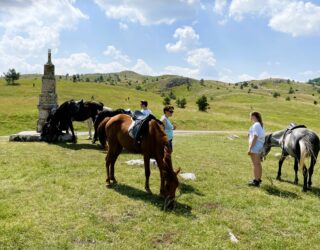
53, 196
229, 105
57, 199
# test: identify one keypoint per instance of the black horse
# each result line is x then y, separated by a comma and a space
298, 142
70, 111
104, 114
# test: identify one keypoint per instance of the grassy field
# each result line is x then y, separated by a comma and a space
57, 199
229, 104
53, 196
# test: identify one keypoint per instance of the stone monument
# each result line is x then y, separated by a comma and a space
48, 99
48, 103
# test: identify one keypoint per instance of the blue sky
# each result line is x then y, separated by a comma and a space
228, 40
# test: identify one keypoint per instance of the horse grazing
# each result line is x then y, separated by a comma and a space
298, 142
73, 111
154, 144
104, 114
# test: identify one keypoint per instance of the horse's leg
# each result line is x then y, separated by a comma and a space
146, 159
160, 166
116, 151
311, 168
89, 121
108, 162
303, 151
72, 131
305, 178
296, 167
283, 157
95, 135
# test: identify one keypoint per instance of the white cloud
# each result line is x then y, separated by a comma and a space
245, 77
298, 18
83, 63
220, 6
116, 54
79, 63
31, 27
149, 12
309, 73
187, 39
201, 57
182, 71
227, 75
123, 26
143, 68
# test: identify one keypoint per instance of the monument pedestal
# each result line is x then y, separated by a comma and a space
33, 136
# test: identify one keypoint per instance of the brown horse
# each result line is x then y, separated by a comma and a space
154, 144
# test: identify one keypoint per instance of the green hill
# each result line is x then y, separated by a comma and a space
230, 104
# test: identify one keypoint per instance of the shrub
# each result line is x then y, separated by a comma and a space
202, 103
315, 102
181, 103
275, 94
166, 100
288, 98
291, 91
172, 95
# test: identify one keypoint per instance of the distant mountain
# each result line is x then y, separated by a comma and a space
315, 81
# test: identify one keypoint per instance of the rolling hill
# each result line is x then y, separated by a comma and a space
281, 101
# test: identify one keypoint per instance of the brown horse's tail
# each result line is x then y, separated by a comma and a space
102, 132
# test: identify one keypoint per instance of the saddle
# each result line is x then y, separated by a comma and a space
290, 128
139, 126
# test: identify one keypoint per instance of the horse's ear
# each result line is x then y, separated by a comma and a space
178, 171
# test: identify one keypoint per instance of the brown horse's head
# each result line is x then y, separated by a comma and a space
171, 179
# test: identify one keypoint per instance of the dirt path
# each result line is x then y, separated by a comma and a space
176, 133
199, 132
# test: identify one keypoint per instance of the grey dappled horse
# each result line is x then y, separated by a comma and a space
298, 142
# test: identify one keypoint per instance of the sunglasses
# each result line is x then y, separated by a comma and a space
170, 111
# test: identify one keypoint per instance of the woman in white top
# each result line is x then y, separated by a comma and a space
256, 141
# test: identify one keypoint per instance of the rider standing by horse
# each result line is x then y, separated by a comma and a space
256, 140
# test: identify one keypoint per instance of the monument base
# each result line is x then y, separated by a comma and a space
33, 136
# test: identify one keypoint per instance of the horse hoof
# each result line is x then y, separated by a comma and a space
279, 178
304, 189
148, 190
295, 182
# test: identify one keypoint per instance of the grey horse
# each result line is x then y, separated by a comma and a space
298, 142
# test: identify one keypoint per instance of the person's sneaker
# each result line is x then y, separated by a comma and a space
254, 183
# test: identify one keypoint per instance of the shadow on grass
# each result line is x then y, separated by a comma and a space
314, 190
155, 200
187, 188
79, 146
273, 190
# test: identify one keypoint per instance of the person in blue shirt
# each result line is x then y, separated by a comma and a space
168, 126
144, 108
